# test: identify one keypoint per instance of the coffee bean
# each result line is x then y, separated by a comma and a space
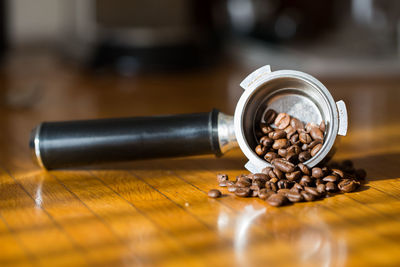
361, 174
282, 120
312, 191
266, 171
222, 177
273, 180
325, 170
269, 156
283, 165
261, 176
271, 186
315, 150
222, 184
318, 182
298, 187
245, 179
330, 178
310, 126
272, 175
304, 169
260, 183
230, 183
266, 141
214, 193
316, 133
293, 176
282, 152
270, 116
322, 126
291, 157
305, 138
278, 134
278, 174
265, 129
313, 144
283, 184
243, 183
348, 185
305, 180
317, 172
284, 191
304, 147
254, 193
296, 124
280, 143
289, 131
232, 188
338, 172
304, 156
321, 188
330, 187
276, 200
261, 150
243, 192
294, 197
294, 149
294, 139
308, 196
265, 193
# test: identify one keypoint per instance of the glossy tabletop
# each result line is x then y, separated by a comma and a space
156, 212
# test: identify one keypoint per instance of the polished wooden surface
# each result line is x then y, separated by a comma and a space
156, 212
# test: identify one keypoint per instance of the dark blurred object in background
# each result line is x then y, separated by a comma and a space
139, 35
3, 34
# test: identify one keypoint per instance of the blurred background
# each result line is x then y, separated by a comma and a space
121, 47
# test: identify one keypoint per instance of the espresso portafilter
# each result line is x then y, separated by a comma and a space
78, 143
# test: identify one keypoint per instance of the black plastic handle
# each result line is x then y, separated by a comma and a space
79, 143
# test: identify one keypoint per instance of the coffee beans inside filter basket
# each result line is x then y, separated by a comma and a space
286, 143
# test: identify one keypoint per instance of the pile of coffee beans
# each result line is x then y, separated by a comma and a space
286, 146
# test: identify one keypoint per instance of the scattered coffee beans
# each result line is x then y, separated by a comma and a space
286, 145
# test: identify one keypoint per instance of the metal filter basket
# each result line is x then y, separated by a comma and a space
77, 143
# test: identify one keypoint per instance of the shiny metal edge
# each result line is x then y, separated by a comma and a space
226, 133
34, 146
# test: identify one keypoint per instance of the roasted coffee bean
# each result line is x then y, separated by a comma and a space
316, 133
361, 174
305, 138
272, 174
282, 120
274, 180
319, 181
261, 176
283, 165
316, 149
254, 193
293, 176
304, 156
330, 178
243, 179
266, 171
296, 124
270, 156
304, 147
214, 193
283, 184
243, 191
261, 150
304, 169
243, 183
279, 174
282, 152
266, 141
294, 139
338, 172
292, 157
294, 197
259, 182
313, 144
232, 188
317, 172
305, 180
270, 116
222, 177
298, 187
222, 184
265, 129
294, 149
348, 185
230, 183
325, 170
277, 200
307, 196
278, 134
271, 186
265, 193
289, 131
310, 126
280, 143
322, 126
254, 188
284, 191
321, 188
312, 191
330, 187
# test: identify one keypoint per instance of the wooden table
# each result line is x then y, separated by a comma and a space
157, 212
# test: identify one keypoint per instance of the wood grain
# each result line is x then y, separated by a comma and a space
156, 212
